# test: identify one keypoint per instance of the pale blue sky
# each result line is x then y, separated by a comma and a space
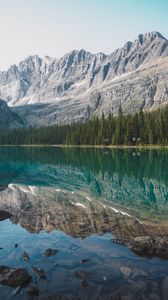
54, 27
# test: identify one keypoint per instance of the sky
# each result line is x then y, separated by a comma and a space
55, 27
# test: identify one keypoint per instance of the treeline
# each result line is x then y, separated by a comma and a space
140, 128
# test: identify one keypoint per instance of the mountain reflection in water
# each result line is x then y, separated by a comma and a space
53, 197
136, 181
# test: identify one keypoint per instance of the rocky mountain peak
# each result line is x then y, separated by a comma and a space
78, 55
31, 62
150, 37
80, 74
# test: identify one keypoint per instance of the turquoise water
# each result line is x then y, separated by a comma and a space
76, 200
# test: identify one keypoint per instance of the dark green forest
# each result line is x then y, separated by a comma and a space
142, 128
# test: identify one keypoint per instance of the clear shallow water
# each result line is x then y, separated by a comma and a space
75, 201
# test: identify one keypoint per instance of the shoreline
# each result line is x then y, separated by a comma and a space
141, 147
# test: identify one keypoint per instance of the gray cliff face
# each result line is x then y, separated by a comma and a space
9, 119
80, 83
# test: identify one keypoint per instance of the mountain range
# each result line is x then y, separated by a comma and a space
8, 118
45, 91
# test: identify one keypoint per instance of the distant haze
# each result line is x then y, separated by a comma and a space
55, 27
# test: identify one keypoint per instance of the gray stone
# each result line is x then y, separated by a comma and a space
126, 271
14, 277
50, 252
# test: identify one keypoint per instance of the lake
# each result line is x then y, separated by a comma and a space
74, 202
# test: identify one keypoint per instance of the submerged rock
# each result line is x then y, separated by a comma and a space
16, 291
83, 261
33, 290
84, 284
82, 274
25, 256
39, 272
147, 246
14, 277
126, 271
50, 252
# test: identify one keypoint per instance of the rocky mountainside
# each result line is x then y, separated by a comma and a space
76, 216
8, 118
79, 84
